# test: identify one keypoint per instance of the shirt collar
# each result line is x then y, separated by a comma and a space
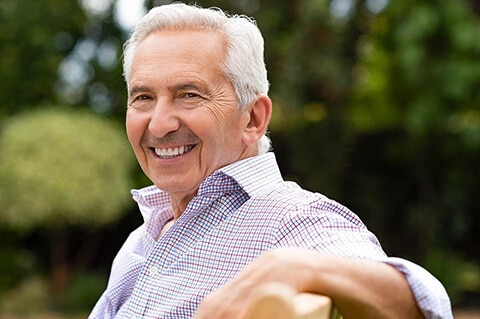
251, 174
254, 173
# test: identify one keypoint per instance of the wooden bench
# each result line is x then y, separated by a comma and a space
279, 301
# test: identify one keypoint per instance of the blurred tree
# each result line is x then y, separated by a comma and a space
91, 74
56, 52
60, 52
58, 168
417, 100
33, 45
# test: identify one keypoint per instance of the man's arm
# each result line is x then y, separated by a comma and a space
359, 288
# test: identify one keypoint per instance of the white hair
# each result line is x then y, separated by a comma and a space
244, 65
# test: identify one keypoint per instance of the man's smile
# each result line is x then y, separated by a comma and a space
170, 152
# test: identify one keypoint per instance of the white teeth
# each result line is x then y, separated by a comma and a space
170, 152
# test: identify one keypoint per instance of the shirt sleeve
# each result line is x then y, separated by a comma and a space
431, 296
333, 229
102, 309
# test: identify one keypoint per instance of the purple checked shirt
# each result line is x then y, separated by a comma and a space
240, 211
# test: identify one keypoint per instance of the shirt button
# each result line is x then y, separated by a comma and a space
153, 271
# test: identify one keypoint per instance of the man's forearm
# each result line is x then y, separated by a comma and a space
363, 289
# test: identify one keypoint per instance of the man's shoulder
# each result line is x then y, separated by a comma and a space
287, 195
290, 199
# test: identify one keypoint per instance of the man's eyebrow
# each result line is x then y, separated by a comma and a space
175, 87
137, 89
190, 86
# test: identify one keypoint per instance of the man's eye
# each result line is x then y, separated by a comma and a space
191, 95
141, 98
139, 101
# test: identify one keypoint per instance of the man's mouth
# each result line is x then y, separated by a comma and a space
170, 152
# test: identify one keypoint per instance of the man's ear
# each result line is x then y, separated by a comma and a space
259, 113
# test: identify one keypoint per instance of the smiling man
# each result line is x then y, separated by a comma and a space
219, 219
183, 119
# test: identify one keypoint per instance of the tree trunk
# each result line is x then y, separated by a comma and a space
58, 262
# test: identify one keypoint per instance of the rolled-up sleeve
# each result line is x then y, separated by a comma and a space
431, 296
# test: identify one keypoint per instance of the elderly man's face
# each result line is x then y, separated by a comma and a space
183, 119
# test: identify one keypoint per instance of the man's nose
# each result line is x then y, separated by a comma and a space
164, 119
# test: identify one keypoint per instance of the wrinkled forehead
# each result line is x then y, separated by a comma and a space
167, 54
175, 34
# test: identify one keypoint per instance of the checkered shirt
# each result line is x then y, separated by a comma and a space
240, 211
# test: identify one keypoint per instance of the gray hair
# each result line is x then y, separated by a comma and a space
244, 65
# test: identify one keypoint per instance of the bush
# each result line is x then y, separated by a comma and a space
28, 297
83, 292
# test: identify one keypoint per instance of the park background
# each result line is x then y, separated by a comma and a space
376, 105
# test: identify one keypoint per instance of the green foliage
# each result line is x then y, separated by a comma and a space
53, 52
30, 296
83, 292
36, 36
13, 264
420, 71
458, 275
418, 81
60, 167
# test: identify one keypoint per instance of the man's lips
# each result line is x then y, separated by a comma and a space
170, 152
